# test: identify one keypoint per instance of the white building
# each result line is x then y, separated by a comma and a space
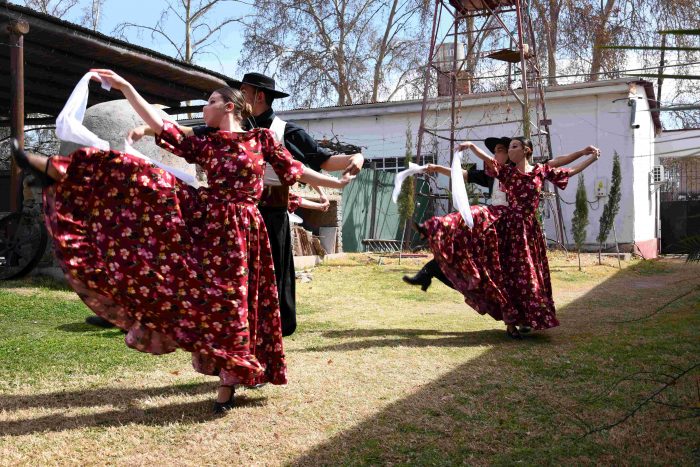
613, 115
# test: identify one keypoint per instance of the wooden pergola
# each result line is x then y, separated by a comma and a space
45, 57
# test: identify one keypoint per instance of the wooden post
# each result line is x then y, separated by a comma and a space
16, 29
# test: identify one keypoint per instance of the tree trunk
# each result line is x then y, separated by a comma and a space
382, 52
579, 260
600, 38
188, 32
552, 32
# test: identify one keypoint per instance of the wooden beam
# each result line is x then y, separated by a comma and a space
184, 109
648, 47
656, 75
33, 104
16, 30
35, 121
154, 90
689, 32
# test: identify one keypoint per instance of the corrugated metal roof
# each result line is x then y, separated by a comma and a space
57, 53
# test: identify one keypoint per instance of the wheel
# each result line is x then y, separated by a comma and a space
23, 240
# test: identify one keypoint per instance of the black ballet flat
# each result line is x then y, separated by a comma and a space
23, 163
223, 407
420, 229
514, 334
421, 279
98, 321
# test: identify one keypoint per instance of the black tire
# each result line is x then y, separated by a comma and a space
23, 240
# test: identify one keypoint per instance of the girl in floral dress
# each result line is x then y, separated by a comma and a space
174, 266
522, 245
500, 265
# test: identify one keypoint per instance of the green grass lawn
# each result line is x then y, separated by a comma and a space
380, 373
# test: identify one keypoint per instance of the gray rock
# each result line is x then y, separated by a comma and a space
111, 121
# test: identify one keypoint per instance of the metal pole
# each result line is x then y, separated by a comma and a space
373, 214
453, 95
426, 85
523, 72
17, 30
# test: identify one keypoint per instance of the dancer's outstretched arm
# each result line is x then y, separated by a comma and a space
488, 160
314, 178
577, 169
441, 169
348, 163
146, 111
313, 205
569, 158
135, 134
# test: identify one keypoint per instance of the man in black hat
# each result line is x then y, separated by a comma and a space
499, 148
260, 92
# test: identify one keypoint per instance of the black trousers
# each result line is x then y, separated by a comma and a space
432, 269
279, 232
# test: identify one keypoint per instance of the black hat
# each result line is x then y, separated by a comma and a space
492, 142
260, 81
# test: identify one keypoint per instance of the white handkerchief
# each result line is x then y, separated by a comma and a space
69, 127
184, 176
459, 190
69, 124
401, 176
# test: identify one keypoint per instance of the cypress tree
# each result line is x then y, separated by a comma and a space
612, 205
580, 219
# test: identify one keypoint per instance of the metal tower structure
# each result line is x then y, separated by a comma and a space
450, 51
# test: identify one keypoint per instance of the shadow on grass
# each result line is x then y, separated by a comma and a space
89, 328
519, 403
34, 282
128, 411
382, 338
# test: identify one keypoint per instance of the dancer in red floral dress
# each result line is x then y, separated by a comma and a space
522, 246
174, 266
500, 265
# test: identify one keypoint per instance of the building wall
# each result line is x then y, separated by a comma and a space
581, 115
646, 196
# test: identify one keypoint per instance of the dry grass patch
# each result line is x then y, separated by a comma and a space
380, 373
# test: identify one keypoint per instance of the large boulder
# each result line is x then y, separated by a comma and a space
111, 121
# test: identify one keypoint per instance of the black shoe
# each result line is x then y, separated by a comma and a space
223, 407
421, 278
23, 163
420, 229
95, 320
514, 333
524, 329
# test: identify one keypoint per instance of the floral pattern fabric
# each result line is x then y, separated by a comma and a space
469, 258
522, 246
177, 267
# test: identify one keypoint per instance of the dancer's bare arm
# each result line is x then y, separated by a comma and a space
139, 132
488, 160
580, 167
560, 161
146, 111
441, 169
314, 178
348, 163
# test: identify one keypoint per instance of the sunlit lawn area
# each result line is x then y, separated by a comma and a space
380, 373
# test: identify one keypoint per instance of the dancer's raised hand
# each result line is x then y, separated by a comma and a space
465, 145
135, 134
345, 179
355, 164
111, 78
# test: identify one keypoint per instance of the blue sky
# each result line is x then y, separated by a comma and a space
147, 12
